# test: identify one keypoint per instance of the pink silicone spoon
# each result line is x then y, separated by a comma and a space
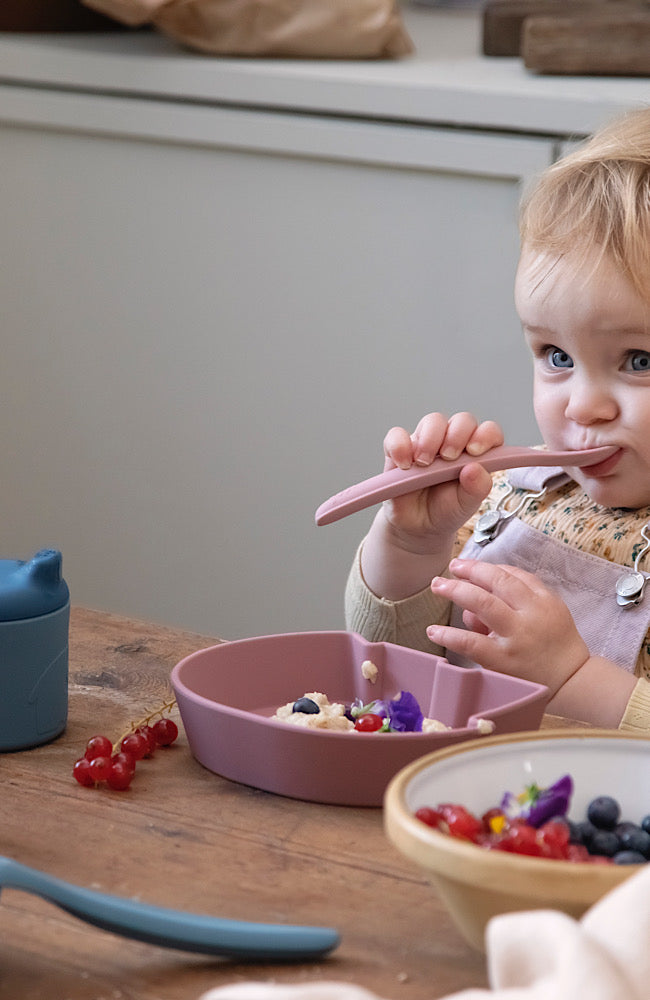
396, 482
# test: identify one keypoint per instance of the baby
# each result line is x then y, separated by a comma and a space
556, 593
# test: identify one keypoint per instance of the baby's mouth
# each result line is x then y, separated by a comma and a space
604, 467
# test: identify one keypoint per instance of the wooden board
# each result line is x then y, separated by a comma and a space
602, 44
503, 20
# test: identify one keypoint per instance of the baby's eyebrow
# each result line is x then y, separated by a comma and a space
632, 331
636, 336
537, 331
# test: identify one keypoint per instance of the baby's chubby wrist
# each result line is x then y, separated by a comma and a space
417, 541
597, 692
396, 564
575, 657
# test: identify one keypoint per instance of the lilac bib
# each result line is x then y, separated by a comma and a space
585, 582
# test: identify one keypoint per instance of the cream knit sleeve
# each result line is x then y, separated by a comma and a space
401, 622
636, 718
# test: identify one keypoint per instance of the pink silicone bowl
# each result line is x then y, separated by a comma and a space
227, 693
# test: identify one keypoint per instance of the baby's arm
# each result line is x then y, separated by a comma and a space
598, 693
403, 623
518, 626
412, 536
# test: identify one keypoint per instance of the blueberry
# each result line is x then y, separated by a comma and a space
645, 823
582, 832
628, 858
636, 840
604, 812
605, 843
623, 827
306, 705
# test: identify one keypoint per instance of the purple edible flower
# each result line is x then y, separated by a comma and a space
402, 714
551, 801
405, 714
536, 805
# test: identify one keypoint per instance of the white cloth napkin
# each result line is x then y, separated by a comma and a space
536, 955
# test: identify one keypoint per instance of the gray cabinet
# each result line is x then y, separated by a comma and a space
212, 311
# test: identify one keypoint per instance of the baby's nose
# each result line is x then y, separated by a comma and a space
591, 402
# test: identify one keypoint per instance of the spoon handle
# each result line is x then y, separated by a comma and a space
173, 928
397, 482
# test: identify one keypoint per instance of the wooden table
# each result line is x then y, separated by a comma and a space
183, 837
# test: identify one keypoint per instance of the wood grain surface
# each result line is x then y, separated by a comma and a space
607, 42
503, 20
571, 37
186, 838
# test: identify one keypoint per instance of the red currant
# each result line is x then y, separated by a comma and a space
500, 843
553, 838
150, 737
136, 744
493, 820
432, 817
81, 772
125, 759
165, 731
98, 746
522, 839
461, 822
368, 723
119, 776
99, 768
577, 853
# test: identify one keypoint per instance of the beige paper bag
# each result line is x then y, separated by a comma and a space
333, 29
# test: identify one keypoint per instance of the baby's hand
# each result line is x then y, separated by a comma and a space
515, 623
436, 436
442, 509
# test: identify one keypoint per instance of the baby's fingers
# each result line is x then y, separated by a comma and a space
492, 611
513, 586
460, 430
474, 624
487, 435
428, 437
398, 449
474, 485
531, 582
464, 433
476, 646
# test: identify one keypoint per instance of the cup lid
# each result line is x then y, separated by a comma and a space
29, 589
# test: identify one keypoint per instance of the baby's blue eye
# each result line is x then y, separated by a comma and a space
558, 359
639, 361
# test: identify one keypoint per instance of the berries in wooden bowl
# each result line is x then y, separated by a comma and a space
476, 884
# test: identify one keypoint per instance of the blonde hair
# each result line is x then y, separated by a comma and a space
597, 197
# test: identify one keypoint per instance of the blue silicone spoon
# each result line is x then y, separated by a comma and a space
397, 482
173, 928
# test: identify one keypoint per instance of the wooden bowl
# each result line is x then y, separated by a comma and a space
476, 884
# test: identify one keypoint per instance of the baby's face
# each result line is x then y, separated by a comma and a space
589, 333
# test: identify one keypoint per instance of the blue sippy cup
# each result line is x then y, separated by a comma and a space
34, 618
